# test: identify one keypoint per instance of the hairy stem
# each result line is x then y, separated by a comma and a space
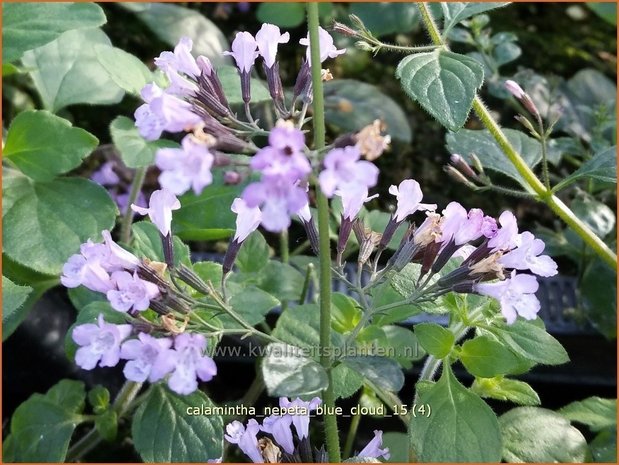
136, 187
331, 432
352, 433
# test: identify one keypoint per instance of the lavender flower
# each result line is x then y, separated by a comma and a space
514, 88
244, 51
506, 236
515, 294
99, 343
180, 60
73, 271
373, 449
131, 293
353, 199
118, 257
343, 170
278, 199
284, 156
327, 47
408, 195
247, 219
300, 422
245, 438
527, 256
149, 358
268, 39
191, 363
105, 175
186, 168
280, 427
159, 210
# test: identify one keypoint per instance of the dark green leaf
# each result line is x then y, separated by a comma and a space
486, 358
106, 425
599, 291
602, 166
387, 18
66, 71
254, 253
300, 326
604, 447
606, 11
459, 428
351, 105
13, 298
506, 52
533, 434
164, 431
99, 399
252, 304
281, 280
382, 372
31, 25
46, 222
345, 381
595, 412
42, 145
435, 339
454, 12
600, 218
443, 83
126, 70
281, 14
287, 372
506, 389
398, 446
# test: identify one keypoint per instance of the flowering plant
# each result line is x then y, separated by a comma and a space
164, 316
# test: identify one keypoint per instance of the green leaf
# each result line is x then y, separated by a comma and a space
67, 71
604, 447
454, 12
287, 372
485, 358
533, 434
281, 280
351, 105
126, 70
13, 298
382, 372
135, 151
43, 145
532, 342
459, 428
506, 52
254, 253
506, 389
345, 381
385, 294
147, 243
606, 11
481, 143
42, 426
599, 217
398, 446
300, 326
443, 83
106, 425
281, 14
599, 291
405, 283
387, 18
171, 22
164, 431
435, 339
231, 83
595, 412
252, 304
345, 312
46, 222
31, 25
99, 399
602, 166
81, 296
402, 342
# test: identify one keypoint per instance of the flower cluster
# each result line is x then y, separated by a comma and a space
180, 359
280, 429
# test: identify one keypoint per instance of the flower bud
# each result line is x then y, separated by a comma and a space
363, 45
192, 279
458, 176
526, 123
344, 30
232, 178
461, 165
367, 239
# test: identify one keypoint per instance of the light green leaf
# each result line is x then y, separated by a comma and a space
135, 151
454, 12
595, 412
533, 434
351, 105
281, 14
398, 446
387, 18
126, 70
602, 166
459, 428
486, 358
67, 71
46, 222
345, 381
435, 339
599, 217
252, 304
382, 372
300, 326
164, 431
443, 83
287, 372
506, 389
43, 145
467, 141
13, 298
26, 26
147, 243
254, 253
171, 22
345, 312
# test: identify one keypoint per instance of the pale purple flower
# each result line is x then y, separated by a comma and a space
507, 235
463, 227
180, 60
353, 199
131, 293
305, 213
72, 271
149, 358
278, 199
343, 169
245, 438
515, 294
180, 85
247, 219
122, 200
186, 168
99, 343
373, 449
105, 175
327, 47
527, 256
191, 363
118, 257
244, 51
96, 278
301, 422
408, 195
268, 38
279, 426
159, 210
514, 88
489, 227
454, 216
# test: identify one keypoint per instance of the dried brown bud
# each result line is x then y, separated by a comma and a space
370, 142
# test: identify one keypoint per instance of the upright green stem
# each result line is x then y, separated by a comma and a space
352, 433
136, 186
331, 432
543, 193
